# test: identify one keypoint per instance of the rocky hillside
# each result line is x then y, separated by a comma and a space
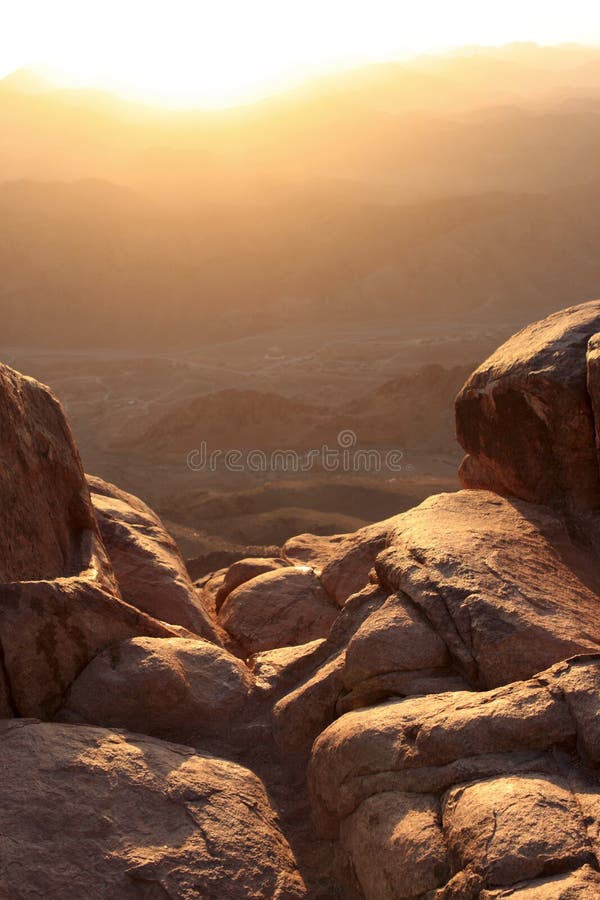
407, 711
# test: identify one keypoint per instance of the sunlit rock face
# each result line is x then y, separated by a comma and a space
409, 711
526, 418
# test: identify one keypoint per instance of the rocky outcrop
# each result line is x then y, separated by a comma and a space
525, 417
467, 792
46, 518
435, 677
500, 581
50, 630
149, 569
120, 815
59, 600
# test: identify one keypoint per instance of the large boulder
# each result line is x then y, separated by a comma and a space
466, 793
525, 418
59, 600
244, 570
396, 637
178, 688
427, 744
313, 550
88, 812
45, 510
395, 846
149, 568
280, 608
394, 641
499, 580
515, 828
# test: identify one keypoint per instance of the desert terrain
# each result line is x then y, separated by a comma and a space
138, 417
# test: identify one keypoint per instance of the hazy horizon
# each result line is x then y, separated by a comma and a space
186, 54
38, 77
30, 76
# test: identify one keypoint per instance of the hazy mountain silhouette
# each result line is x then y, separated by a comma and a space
454, 184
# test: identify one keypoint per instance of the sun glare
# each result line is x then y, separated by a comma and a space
194, 53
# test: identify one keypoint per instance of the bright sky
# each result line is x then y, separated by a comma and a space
191, 52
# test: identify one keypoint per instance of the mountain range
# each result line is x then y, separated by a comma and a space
458, 185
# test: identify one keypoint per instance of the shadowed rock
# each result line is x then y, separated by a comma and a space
45, 511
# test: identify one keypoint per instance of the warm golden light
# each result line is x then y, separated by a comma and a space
186, 53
